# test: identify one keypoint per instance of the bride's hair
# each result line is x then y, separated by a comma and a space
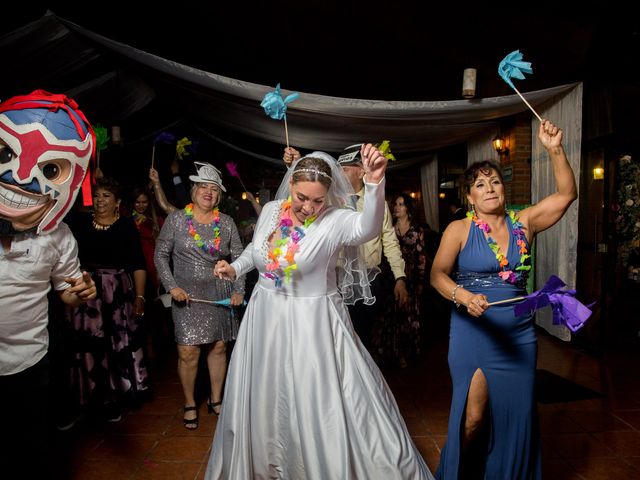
310, 169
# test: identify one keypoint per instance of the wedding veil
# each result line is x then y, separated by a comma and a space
353, 278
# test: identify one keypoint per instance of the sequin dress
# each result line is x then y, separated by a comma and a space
198, 323
303, 397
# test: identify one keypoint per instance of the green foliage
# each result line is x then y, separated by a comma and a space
628, 208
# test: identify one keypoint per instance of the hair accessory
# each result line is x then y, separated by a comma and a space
312, 170
210, 246
507, 275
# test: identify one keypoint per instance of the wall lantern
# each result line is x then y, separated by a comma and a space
500, 145
598, 173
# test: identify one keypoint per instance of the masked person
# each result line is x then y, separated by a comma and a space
46, 144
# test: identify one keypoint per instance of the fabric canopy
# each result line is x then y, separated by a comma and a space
114, 81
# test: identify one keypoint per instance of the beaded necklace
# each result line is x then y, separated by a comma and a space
507, 275
210, 246
286, 245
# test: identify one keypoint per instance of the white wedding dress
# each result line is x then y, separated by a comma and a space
303, 398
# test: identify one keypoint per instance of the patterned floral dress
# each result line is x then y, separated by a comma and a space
108, 360
397, 338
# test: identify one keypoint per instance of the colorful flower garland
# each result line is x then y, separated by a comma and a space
506, 275
211, 246
290, 238
139, 218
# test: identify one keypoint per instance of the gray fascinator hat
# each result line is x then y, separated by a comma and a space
207, 173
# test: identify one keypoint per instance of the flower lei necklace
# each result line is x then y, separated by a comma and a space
287, 244
506, 275
139, 218
211, 246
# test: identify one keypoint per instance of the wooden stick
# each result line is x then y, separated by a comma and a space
286, 131
508, 300
528, 105
242, 183
153, 154
201, 300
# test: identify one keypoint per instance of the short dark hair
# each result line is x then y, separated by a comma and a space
485, 167
110, 185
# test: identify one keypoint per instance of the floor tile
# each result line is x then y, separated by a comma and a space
586, 439
181, 449
168, 470
605, 469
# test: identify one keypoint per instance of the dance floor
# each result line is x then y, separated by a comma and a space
589, 412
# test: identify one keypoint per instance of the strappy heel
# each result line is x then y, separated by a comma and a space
190, 423
212, 405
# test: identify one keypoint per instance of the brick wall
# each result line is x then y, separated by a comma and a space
518, 136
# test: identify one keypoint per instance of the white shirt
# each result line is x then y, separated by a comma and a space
387, 243
27, 271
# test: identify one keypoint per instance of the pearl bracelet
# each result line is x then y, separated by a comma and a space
453, 296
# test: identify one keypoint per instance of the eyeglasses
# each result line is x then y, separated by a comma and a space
209, 187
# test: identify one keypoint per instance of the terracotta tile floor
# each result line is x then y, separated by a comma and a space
588, 433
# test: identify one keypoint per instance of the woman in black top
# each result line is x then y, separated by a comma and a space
109, 366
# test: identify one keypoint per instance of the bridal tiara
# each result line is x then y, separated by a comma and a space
312, 170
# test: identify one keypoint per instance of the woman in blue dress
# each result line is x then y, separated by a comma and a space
493, 425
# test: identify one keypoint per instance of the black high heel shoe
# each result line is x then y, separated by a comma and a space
190, 423
211, 406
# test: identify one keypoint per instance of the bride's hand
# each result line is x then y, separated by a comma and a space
224, 271
374, 163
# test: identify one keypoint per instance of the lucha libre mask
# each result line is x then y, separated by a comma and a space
46, 144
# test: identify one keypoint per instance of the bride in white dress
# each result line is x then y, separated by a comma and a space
303, 398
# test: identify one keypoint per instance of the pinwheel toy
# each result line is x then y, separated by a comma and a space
233, 171
181, 147
276, 107
226, 302
162, 137
385, 148
512, 66
567, 310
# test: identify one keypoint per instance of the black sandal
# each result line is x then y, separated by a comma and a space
212, 405
190, 423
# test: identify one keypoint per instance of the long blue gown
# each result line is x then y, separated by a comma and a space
504, 347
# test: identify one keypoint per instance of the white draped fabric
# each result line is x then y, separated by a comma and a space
480, 148
429, 183
318, 122
130, 79
556, 248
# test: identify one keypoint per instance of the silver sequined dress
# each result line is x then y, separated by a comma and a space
198, 323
